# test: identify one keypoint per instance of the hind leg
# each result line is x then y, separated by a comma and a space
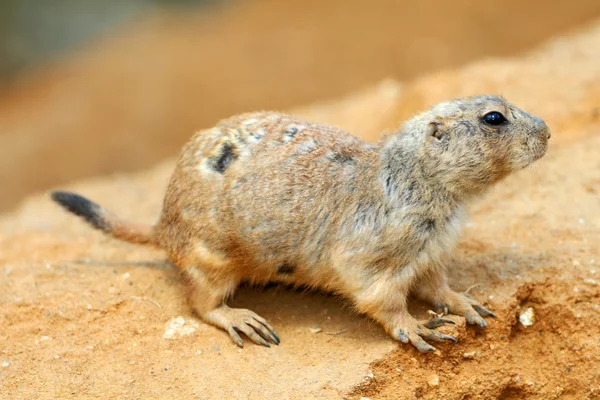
207, 295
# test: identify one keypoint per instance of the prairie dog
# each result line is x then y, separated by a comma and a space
271, 197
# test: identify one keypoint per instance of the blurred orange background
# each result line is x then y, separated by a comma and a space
95, 87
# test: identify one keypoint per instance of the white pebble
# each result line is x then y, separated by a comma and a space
434, 380
179, 326
126, 275
5, 364
590, 281
527, 318
471, 354
314, 329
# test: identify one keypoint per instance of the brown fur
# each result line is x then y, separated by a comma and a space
267, 197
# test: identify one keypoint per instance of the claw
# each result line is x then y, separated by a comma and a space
437, 322
442, 308
475, 319
252, 333
484, 312
236, 337
448, 337
423, 346
402, 337
264, 335
271, 332
434, 335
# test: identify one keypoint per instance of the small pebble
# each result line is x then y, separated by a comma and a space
178, 327
471, 355
527, 318
5, 364
44, 338
591, 281
314, 329
434, 380
126, 275
89, 307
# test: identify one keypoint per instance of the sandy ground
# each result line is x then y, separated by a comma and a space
130, 100
83, 316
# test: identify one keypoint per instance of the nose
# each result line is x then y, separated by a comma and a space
543, 128
546, 131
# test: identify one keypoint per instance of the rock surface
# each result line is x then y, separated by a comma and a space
83, 316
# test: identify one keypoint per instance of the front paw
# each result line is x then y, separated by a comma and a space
414, 332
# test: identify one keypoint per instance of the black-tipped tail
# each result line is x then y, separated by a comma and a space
88, 210
105, 221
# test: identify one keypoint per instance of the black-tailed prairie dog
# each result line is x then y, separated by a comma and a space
267, 197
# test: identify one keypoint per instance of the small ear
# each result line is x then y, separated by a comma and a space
434, 131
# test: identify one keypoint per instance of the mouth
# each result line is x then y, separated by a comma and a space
538, 150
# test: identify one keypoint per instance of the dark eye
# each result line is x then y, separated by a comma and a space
494, 118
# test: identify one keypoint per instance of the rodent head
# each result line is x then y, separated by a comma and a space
470, 143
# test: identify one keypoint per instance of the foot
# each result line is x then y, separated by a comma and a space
235, 320
414, 331
463, 304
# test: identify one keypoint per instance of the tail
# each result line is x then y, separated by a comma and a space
104, 220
